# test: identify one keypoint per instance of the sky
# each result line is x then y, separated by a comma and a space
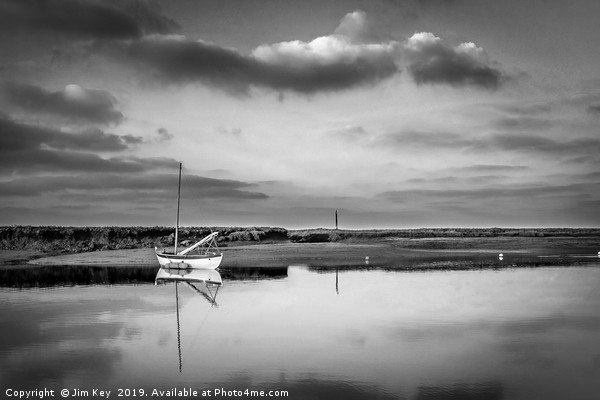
396, 113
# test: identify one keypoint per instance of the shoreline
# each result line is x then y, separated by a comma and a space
399, 253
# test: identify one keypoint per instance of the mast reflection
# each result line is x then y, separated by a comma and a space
205, 282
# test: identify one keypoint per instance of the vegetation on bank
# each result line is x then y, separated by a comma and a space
334, 235
81, 239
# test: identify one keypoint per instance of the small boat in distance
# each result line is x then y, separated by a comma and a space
206, 254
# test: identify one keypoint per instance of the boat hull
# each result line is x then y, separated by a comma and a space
209, 261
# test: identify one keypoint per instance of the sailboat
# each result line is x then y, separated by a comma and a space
204, 254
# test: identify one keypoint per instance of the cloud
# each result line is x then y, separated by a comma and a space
327, 63
229, 131
72, 102
352, 56
164, 135
490, 168
594, 109
437, 3
514, 142
430, 61
572, 191
44, 154
83, 19
16, 136
543, 145
524, 122
357, 27
152, 186
29, 148
351, 133
53, 161
423, 139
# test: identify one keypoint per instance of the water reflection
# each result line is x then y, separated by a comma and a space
33, 276
202, 281
522, 334
23, 277
253, 273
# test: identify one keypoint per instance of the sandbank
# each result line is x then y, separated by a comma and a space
461, 253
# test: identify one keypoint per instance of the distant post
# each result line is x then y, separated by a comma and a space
336, 220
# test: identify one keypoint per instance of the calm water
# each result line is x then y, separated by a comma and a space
352, 334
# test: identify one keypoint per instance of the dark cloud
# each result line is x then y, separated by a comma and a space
164, 135
16, 136
34, 150
52, 161
538, 203
510, 141
28, 148
517, 142
130, 139
150, 186
523, 122
527, 110
490, 168
543, 145
431, 61
294, 66
84, 19
594, 109
432, 140
73, 102
229, 131
438, 2
500, 192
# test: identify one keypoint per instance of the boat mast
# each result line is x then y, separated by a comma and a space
178, 200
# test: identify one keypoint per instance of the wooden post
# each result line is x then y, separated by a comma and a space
336, 220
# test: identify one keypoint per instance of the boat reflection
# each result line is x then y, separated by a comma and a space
202, 281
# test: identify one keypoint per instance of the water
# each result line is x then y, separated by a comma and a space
352, 334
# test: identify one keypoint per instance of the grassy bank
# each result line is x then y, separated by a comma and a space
55, 239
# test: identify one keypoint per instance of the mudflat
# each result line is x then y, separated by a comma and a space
401, 253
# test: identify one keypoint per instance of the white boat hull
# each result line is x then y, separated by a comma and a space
208, 261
